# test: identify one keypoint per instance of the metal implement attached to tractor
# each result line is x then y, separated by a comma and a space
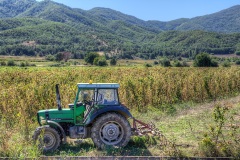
96, 113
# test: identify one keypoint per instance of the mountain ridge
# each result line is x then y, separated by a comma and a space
222, 21
225, 21
55, 27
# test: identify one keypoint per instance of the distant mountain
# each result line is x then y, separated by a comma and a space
168, 26
109, 15
226, 21
55, 12
54, 27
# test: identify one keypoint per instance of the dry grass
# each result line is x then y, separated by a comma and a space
188, 126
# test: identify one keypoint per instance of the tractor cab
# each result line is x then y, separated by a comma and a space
91, 98
98, 94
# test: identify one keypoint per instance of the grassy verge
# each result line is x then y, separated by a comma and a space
188, 126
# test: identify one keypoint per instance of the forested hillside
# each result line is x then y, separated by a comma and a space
28, 27
226, 21
12, 8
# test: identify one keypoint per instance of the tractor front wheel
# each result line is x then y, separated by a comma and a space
111, 129
46, 138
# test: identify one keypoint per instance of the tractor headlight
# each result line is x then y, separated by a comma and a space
42, 120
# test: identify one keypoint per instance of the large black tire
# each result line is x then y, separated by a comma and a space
111, 129
46, 138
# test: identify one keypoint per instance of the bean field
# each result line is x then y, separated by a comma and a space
24, 91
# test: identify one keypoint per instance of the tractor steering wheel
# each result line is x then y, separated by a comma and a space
87, 102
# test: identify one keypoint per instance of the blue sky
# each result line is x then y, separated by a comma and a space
162, 10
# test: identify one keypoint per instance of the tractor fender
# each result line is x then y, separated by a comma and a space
60, 128
118, 109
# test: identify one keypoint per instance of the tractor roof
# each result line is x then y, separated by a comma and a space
98, 85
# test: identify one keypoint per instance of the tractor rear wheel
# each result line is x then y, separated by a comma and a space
47, 138
111, 129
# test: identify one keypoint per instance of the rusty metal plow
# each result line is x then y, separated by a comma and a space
140, 128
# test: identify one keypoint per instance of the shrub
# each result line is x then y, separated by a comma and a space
11, 63
204, 60
165, 62
59, 56
113, 61
50, 57
177, 64
237, 53
217, 140
214, 63
148, 65
22, 64
237, 62
155, 63
179, 58
226, 64
90, 57
208, 147
75, 63
100, 61
3, 63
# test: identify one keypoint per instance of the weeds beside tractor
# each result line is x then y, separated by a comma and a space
96, 113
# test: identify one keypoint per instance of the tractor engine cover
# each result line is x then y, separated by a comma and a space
77, 132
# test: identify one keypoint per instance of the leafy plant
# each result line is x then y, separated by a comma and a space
113, 61
165, 62
3, 63
100, 61
204, 60
237, 62
219, 141
11, 63
237, 53
226, 64
90, 57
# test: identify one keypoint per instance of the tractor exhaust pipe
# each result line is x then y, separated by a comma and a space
58, 98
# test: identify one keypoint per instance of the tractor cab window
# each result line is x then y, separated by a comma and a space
86, 96
107, 97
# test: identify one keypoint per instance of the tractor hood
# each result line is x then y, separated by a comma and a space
64, 115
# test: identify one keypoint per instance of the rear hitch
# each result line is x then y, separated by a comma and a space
140, 128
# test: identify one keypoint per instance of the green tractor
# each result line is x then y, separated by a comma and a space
96, 113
